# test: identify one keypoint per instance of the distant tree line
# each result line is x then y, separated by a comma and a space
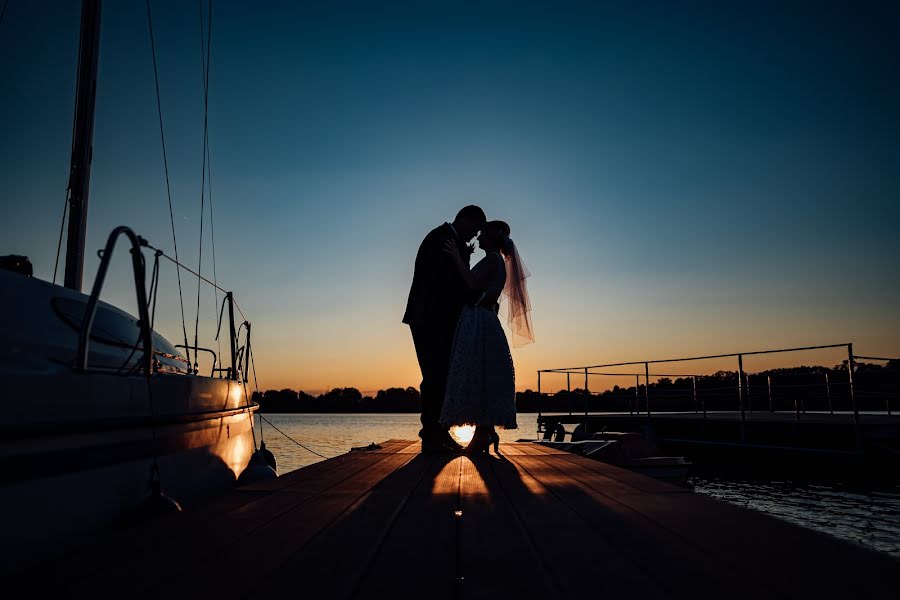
794, 388
339, 400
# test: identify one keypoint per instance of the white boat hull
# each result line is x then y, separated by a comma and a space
76, 447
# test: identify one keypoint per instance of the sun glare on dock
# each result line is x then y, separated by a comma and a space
463, 433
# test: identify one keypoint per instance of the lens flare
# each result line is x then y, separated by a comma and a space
463, 433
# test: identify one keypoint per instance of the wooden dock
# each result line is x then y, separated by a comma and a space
534, 522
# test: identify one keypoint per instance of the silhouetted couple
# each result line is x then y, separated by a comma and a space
467, 369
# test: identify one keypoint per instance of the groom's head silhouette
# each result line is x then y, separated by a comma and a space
469, 221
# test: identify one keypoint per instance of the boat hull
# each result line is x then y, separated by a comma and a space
77, 447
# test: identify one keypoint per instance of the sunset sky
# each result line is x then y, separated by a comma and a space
681, 177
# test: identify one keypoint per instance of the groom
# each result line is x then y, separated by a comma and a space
436, 298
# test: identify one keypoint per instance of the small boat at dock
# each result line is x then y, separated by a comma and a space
628, 450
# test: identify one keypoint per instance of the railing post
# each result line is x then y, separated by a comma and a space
569, 389
233, 343
702, 405
247, 354
850, 365
540, 404
769, 383
749, 395
587, 398
741, 396
637, 397
647, 387
828, 394
694, 383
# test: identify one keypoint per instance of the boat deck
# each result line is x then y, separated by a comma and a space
533, 522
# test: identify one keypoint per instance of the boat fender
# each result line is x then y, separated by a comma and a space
257, 470
156, 503
267, 454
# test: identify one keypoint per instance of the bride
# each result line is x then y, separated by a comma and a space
481, 388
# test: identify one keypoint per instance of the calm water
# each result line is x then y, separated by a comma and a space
867, 517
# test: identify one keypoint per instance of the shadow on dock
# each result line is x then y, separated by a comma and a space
533, 521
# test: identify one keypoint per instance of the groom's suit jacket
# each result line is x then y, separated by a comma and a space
438, 292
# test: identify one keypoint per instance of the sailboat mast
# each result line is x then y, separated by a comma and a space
80, 170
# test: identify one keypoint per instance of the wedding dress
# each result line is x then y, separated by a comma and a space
481, 386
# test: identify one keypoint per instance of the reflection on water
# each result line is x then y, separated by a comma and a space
333, 435
870, 518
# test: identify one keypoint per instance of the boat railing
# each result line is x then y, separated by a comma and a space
829, 391
139, 272
240, 354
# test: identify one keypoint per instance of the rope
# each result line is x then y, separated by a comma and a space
162, 138
262, 418
291, 439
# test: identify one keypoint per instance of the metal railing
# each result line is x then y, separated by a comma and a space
740, 392
239, 353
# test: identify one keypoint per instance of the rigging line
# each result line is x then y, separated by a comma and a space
256, 387
3, 11
212, 232
62, 227
69, 180
166, 168
195, 274
205, 64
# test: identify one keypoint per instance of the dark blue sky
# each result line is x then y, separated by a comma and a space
681, 177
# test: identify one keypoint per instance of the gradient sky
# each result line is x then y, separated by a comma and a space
681, 178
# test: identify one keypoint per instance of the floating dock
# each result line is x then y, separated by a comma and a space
534, 522
721, 434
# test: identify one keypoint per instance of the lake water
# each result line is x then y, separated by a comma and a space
865, 516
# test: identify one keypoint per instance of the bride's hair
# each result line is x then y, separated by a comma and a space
515, 289
500, 231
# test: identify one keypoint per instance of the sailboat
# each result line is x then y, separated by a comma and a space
104, 419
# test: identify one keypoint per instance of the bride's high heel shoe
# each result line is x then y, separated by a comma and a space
480, 442
495, 439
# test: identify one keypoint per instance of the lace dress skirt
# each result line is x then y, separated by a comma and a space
481, 387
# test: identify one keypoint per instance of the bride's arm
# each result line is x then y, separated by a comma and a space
474, 281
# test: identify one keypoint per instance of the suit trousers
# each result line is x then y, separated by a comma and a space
434, 344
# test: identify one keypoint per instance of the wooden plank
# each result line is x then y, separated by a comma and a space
673, 563
497, 559
618, 476
218, 525
418, 556
510, 448
534, 521
536, 449
797, 562
579, 560
331, 565
272, 544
